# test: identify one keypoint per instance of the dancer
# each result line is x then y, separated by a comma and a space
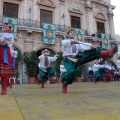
44, 67
73, 58
14, 54
91, 73
5, 57
118, 64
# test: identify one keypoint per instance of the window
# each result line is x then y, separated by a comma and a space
100, 28
10, 10
45, 17
75, 22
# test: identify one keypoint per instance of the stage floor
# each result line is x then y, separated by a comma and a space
84, 101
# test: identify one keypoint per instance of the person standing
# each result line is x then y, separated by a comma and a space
14, 54
91, 73
73, 58
5, 57
118, 64
44, 67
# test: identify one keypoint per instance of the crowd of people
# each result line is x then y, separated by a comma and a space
103, 71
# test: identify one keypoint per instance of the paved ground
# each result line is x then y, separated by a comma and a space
85, 101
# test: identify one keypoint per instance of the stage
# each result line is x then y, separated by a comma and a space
84, 101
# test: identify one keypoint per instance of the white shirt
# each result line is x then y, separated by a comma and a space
42, 59
67, 47
62, 69
90, 68
9, 39
96, 67
118, 63
107, 66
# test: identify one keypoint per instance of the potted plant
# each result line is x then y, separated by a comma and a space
31, 64
80, 73
57, 66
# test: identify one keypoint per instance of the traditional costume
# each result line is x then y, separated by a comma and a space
5, 58
118, 64
14, 54
44, 67
73, 58
91, 73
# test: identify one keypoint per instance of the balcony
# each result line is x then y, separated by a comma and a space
37, 25
33, 24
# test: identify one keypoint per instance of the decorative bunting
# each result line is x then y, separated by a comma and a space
49, 33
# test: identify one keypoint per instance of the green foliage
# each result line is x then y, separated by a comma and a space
58, 62
80, 70
112, 62
31, 62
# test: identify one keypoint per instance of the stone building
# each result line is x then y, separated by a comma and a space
92, 16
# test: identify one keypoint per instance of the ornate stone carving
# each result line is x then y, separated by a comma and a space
46, 3
110, 13
100, 16
75, 9
88, 4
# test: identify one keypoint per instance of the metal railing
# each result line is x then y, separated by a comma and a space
38, 25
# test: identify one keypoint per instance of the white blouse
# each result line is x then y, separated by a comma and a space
96, 67
9, 39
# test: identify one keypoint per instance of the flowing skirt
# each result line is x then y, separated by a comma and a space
5, 69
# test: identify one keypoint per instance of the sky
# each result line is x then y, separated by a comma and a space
116, 12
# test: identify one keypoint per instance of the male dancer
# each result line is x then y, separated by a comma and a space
44, 67
72, 58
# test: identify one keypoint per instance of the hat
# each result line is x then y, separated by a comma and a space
45, 50
68, 30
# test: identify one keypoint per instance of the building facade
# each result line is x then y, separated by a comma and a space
92, 16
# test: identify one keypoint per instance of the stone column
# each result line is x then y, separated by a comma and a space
88, 8
111, 23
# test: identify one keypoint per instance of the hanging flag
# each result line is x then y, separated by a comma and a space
80, 35
105, 41
49, 33
13, 22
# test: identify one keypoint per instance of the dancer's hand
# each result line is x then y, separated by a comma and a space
93, 47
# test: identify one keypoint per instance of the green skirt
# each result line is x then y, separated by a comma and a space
44, 76
72, 67
99, 73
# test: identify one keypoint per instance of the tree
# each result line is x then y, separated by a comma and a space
31, 63
58, 62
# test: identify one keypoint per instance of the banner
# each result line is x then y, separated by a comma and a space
105, 41
80, 35
13, 23
49, 33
